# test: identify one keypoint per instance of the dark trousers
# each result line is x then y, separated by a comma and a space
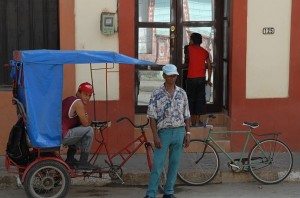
196, 95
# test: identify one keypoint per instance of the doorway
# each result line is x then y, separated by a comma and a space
164, 28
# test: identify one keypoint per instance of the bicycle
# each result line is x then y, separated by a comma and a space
113, 170
269, 161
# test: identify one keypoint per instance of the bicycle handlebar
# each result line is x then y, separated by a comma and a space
135, 126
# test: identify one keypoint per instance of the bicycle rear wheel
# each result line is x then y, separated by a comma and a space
199, 164
47, 179
270, 161
163, 176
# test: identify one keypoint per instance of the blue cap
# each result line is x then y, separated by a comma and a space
170, 69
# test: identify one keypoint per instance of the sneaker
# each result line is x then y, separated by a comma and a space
72, 162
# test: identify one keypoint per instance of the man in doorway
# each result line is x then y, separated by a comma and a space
196, 58
169, 115
76, 129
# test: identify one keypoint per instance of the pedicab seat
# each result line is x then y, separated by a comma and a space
22, 114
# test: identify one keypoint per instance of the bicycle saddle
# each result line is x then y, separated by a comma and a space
253, 125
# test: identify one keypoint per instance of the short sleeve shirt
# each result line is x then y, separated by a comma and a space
197, 56
168, 111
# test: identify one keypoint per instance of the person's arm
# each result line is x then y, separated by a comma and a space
187, 137
209, 68
79, 108
156, 139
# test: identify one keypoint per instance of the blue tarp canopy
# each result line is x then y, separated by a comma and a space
40, 85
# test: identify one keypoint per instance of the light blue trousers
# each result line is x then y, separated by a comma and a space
172, 142
80, 136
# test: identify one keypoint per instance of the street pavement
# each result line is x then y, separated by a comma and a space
236, 190
226, 183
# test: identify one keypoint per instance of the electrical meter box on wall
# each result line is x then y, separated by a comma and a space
107, 23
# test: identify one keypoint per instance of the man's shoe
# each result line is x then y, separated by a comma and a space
72, 162
168, 196
84, 164
71, 156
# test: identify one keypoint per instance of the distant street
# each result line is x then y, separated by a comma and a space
232, 190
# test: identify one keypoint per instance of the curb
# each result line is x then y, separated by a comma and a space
141, 179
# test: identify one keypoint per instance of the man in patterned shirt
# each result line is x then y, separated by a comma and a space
169, 115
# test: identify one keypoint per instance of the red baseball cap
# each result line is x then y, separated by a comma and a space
86, 87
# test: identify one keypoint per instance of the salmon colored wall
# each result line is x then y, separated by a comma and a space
123, 132
272, 114
67, 41
8, 117
120, 133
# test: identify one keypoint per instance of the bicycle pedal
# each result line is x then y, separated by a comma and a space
234, 166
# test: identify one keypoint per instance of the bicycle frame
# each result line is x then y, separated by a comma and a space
142, 139
249, 136
269, 161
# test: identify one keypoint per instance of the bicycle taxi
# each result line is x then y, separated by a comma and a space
37, 94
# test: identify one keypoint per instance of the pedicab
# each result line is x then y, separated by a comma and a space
37, 94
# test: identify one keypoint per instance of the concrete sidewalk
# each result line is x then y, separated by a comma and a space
136, 173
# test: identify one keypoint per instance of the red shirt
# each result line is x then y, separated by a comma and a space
197, 58
67, 121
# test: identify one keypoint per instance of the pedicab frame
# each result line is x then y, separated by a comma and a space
38, 90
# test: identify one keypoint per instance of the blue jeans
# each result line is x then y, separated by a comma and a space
82, 137
172, 141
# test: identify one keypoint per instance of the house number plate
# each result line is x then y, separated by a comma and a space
268, 30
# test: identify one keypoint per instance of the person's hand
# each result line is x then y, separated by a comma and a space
187, 140
157, 142
209, 83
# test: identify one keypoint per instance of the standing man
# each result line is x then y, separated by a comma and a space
169, 115
76, 129
196, 57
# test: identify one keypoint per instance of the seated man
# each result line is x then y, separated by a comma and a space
76, 129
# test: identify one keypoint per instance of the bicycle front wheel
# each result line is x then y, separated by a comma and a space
270, 161
199, 164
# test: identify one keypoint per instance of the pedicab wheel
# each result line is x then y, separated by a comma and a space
47, 179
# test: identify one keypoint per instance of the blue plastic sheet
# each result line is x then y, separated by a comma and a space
41, 91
